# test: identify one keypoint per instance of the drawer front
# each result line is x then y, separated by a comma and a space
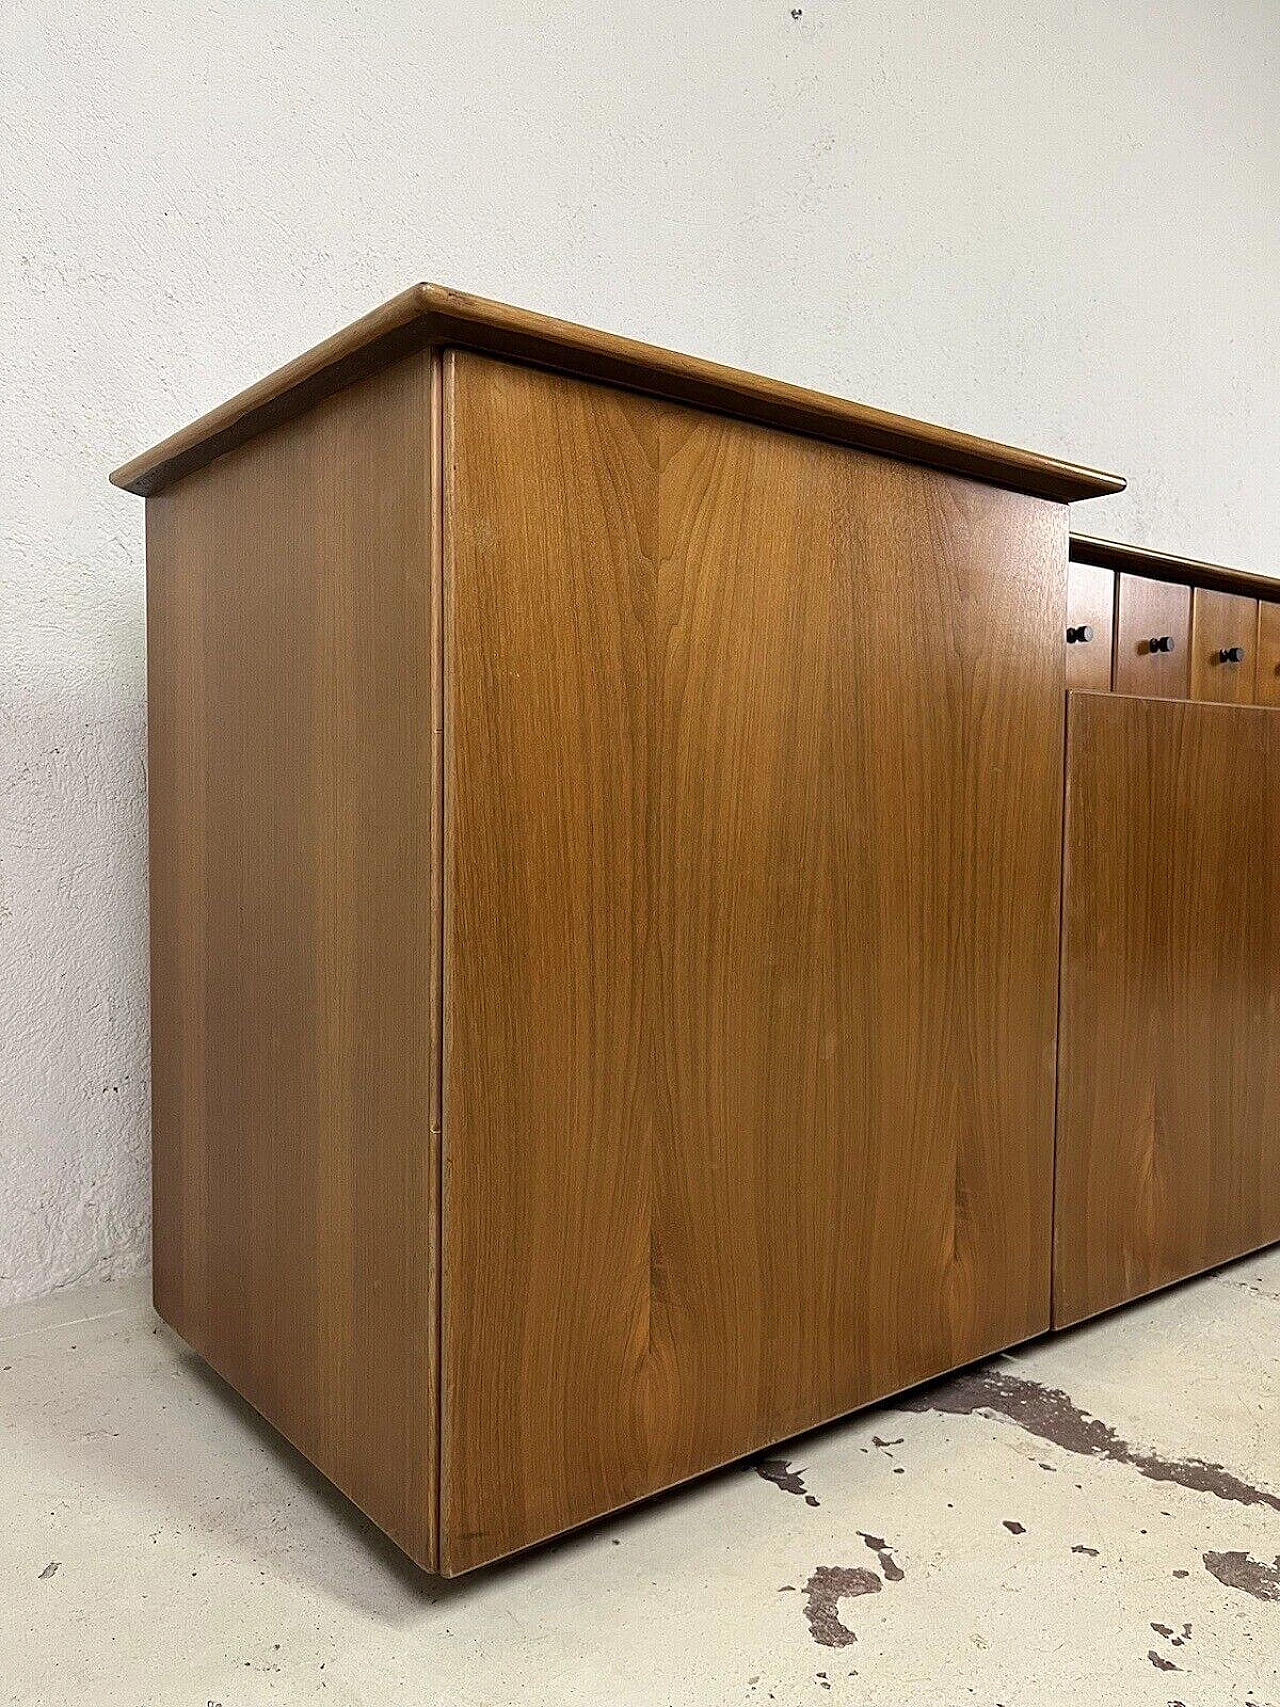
1091, 607
1267, 677
1224, 631
1153, 626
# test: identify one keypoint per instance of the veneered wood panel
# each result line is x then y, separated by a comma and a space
1164, 566
1221, 622
433, 315
1147, 611
294, 772
1169, 1068
1091, 604
753, 819
1267, 678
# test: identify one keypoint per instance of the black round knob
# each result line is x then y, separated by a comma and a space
1079, 636
1161, 643
1231, 655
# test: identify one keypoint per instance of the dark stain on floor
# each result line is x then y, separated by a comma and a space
1014, 1528
779, 1472
1238, 1570
1049, 1414
825, 1589
893, 1572
1089, 1552
1166, 1631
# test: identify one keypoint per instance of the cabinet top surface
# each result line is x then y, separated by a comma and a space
429, 314
1163, 566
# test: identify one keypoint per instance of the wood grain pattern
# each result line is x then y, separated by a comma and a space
294, 771
1220, 621
1267, 679
430, 314
1169, 1079
1145, 610
1164, 566
1091, 603
754, 754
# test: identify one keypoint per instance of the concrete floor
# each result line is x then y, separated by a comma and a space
983, 1542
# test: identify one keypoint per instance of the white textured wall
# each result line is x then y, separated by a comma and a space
1051, 223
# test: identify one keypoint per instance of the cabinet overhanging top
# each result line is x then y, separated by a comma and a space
432, 314
1161, 566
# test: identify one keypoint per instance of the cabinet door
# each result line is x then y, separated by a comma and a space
1169, 1067
1091, 603
1224, 636
1153, 625
753, 804
1267, 682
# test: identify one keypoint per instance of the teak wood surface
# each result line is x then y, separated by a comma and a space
430, 315
605, 838
1145, 610
1220, 621
1165, 566
1091, 602
753, 813
1169, 1065
1267, 684
294, 773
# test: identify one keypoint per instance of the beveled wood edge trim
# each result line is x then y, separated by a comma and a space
1161, 566
433, 314
1174, 701
435, 473
394, 330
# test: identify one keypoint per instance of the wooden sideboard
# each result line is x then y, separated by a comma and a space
606, 839
1168, 1148
1144, 622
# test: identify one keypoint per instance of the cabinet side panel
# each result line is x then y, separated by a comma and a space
754, 803
294, 776
1169, 1086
